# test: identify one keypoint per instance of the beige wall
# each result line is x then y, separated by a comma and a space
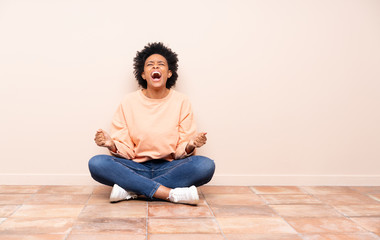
288, 91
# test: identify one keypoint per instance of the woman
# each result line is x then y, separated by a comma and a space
153, 137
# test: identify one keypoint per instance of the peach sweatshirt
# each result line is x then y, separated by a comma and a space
144, 128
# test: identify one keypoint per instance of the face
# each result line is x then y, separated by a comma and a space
156, 71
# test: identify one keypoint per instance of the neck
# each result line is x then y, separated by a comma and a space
156, 93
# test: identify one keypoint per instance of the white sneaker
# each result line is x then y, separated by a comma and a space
188, 195
119, 194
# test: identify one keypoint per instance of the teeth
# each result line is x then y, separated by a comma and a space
156, 74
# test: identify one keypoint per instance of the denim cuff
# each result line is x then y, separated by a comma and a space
154, 190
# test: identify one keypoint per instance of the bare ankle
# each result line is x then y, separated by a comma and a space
162, 193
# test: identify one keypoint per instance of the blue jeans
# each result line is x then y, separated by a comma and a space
145, 178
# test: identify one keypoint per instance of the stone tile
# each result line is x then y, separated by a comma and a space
369, 223
110, 226
277, 190
346, 199
202, 201
185, 236
59, 189
119, 210
14, 199
179, 211
324, 225
48, 211
162, 202
32, 226
7, 210
33, 237
289, 199
305, 211
106, 236
375, 196
356, 236
233, 199
25, 189
226, 189
244, 211
367, 189
256, 225
102, 190
98, 199
182, 225
201, 197
359, 210
52, 212
59, 199
104, 199
263, 237
328, 190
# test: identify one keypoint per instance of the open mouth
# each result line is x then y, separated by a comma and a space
156, 76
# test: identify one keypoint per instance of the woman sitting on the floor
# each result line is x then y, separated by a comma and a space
153, 137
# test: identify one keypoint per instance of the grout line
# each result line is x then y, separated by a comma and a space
76, 219
23, 203
328, 205
88, 199
147, 221
19, 206
68, 234
360, 226
217, 223
372, 197
374, 235
41, 188
355, 190
251, 188
304, 190
279, 215
33, 194
3, 219
261, 197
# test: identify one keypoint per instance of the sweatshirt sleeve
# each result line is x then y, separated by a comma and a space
186, 128
120, 135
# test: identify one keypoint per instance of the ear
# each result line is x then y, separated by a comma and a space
143, 75
169, 74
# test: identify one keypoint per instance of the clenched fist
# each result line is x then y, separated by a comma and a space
103, 139
196, 142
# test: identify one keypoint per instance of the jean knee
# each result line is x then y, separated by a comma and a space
206, 166
97, 162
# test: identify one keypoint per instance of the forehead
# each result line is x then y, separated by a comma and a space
156, 58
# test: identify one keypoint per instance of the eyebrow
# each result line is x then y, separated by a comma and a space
158, 61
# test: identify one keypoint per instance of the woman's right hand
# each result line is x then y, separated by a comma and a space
103, 139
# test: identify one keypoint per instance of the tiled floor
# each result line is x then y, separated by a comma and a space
233, 213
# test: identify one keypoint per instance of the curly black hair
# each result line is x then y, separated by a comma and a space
155, 48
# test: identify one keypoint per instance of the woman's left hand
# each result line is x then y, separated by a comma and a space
198, 140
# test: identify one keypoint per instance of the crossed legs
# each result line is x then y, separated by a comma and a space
154, 179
